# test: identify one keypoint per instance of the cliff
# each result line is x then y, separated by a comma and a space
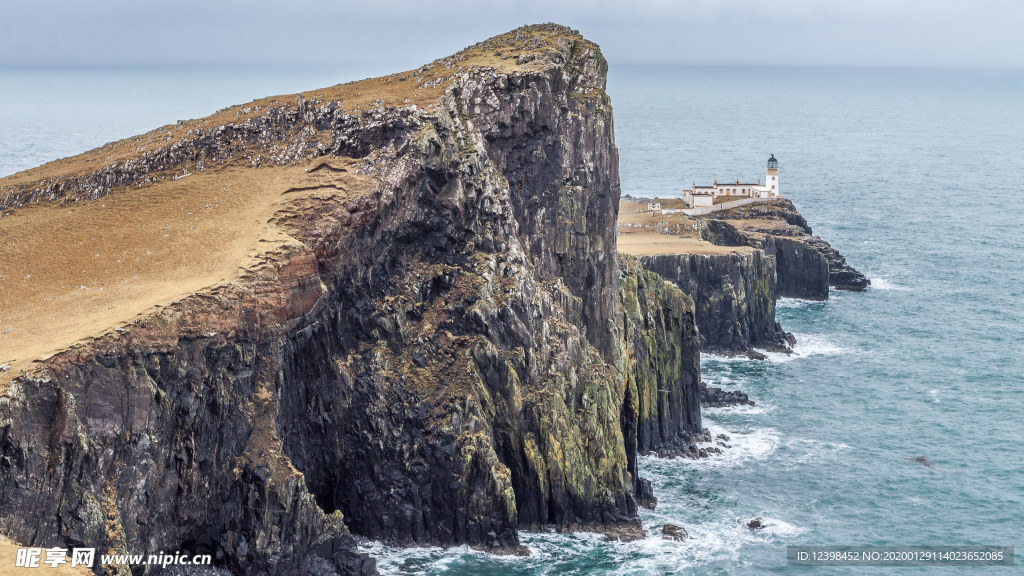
778, 229
389, 308
801, 270
733, 286
734, 296
661, 410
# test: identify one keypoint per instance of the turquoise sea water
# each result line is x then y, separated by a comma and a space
914, 175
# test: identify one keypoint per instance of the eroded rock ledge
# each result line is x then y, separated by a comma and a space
806, 264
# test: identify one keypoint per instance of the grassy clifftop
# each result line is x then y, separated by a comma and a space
527, 49
99, 240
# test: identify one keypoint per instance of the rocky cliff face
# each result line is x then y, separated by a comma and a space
777, 228
801, 271
164, 438
662, 404
734, 297
443, 356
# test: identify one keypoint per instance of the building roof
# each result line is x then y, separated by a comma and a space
730, 184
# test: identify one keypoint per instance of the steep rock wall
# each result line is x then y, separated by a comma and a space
841, 275
662, 403
163, 437
801, 271
734, 297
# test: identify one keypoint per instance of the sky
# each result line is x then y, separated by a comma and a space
408, 33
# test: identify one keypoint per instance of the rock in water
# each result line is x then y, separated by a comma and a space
755, 524
673, 532
717, 397
922, 461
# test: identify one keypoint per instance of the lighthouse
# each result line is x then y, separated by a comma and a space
711, 197
771, 179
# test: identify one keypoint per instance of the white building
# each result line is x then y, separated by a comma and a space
699, 196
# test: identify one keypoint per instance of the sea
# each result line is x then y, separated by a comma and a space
899, 419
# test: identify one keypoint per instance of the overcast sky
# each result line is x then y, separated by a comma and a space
407, 33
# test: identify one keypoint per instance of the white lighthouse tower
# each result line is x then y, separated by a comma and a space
771, 179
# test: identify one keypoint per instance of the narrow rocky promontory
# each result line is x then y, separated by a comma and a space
389, 308
734, 295
735, 264
779, 229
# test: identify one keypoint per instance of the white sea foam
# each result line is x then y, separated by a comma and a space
741, 409
723, 359
723, 380
798, 303
883, 283
433, 559
806, 450
715, 540
806, 345
756, 444
745, 446
396, 560
712, 541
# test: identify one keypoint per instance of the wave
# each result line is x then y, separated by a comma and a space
811, 451
723, 377
787, 303
745, 446
806, 345
708, 543
397, 560
722, 358
883, 283
739, 410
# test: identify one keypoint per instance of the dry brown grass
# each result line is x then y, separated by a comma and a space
72, 272
637, 233
759, 224
652, 243
422, 87
632, 214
